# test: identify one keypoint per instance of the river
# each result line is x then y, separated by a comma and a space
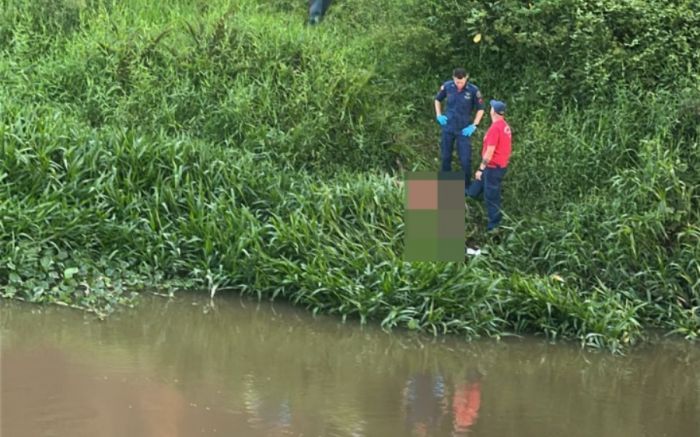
184, 367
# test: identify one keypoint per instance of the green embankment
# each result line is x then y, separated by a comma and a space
223, 145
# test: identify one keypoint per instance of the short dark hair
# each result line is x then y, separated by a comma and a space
460, 73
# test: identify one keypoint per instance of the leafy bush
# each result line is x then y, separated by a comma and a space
571, 49
226, 146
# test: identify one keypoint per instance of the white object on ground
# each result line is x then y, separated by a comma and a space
473, 252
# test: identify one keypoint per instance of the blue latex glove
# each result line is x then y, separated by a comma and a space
442, 119
469, 130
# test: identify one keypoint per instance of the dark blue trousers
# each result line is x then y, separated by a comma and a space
317, 9
464, 151
490, 185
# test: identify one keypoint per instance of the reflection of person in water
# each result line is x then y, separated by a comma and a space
425, 402
267, 412
466, 402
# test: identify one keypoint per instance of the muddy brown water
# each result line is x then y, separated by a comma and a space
241, 368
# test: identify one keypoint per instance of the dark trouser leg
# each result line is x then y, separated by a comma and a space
317, 9
492, 178
476, 187
464, 150
446, 145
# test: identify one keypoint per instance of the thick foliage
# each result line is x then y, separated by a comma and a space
224, 72
573, 49
224, 145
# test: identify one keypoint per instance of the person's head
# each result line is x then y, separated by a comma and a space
460, 77
498, 109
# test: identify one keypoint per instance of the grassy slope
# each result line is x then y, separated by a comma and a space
224, 145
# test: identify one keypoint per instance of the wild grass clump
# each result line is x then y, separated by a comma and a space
228, 72
225, 146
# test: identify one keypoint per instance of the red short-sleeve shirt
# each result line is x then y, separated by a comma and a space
498, 135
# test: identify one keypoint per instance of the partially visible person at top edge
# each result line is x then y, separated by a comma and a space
317, 10
495, 156
456, 122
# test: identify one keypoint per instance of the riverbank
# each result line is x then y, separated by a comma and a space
228, 147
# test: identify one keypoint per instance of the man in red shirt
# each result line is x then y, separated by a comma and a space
495, 155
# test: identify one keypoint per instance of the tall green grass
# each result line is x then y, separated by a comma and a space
226, 147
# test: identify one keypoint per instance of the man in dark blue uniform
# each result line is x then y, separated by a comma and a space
456, 123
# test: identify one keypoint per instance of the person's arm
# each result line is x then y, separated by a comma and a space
491, 140
439, 97
479, 107
488, 154
479, 116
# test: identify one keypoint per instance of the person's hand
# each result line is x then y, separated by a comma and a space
469, 130
442, 119
478, 174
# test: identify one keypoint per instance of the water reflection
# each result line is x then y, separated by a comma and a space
273, 414
434, 407
425, 403
178, 369
466, 402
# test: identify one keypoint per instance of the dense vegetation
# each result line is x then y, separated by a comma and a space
224, 145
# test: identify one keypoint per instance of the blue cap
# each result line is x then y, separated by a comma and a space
498, 106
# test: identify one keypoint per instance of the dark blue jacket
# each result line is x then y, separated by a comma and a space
460, 104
